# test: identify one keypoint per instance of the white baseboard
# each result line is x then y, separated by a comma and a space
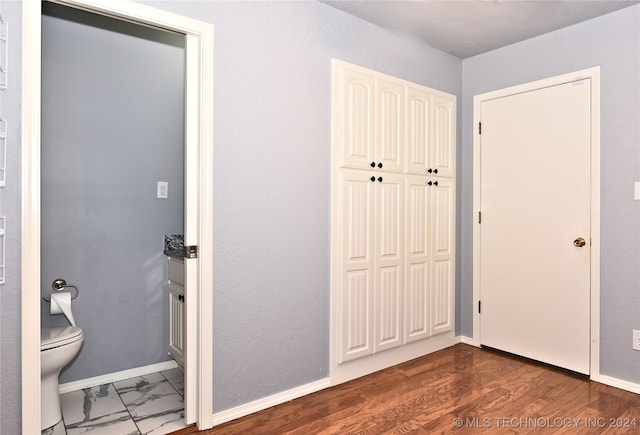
618, 383
269, 401
116, 376
464, 339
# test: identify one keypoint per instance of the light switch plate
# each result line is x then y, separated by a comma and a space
636, 191
163, 189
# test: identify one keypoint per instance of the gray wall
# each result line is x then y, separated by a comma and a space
10, 204
613, 42
272, 180
112, 126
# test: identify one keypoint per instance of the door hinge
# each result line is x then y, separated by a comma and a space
191, 251
479, 217
479, 307
479, 128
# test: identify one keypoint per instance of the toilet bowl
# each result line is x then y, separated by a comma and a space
58, 346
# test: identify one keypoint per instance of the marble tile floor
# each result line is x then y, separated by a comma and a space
149, 404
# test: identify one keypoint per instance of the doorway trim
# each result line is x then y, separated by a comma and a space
594, 75
198, 185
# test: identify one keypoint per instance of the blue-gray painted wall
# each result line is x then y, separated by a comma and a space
272, 179
10, 203
613, 43
272, 148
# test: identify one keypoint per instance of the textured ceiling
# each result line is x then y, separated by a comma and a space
466, 28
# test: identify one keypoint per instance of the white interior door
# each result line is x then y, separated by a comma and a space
535, 203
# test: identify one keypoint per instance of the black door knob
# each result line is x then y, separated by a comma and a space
373, 164
435, 183
380, 165
430, 183
430, 170
380, 179
373, 178
435, 171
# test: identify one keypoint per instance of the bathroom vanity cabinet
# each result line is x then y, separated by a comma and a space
175, 285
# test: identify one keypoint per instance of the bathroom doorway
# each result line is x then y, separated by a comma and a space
112, 128
113, 162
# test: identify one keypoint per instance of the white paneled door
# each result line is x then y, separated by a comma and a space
441, 157
442, 201
356, 118
371, 295
417, 314
356, 292
535, 234
429, 253
388, 261
389, 128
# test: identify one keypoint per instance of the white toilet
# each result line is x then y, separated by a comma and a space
58, 346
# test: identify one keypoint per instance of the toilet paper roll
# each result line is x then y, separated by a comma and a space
61, 304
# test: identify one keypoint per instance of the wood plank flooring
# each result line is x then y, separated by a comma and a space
459, 390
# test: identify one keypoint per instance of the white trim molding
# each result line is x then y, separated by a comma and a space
617, 383
199, 141
465, 340
269, 401
30, 237
116, 376
594, 75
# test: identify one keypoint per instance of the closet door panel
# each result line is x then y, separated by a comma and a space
443, 212
441, 155
356, 291
389, 213
357, 92
417, 322
389, 131
442, 296
388, 320
418, 130
388, 261
356, 321
442, 200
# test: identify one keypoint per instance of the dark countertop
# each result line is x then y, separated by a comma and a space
174, 246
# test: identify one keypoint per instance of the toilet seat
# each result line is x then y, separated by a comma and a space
57, 336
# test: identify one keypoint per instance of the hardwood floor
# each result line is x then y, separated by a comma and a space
458, 390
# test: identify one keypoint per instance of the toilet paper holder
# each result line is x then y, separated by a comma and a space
59, 285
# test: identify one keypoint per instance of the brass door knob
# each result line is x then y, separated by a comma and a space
579, 242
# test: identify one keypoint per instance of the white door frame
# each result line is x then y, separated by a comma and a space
198, 195
594, 75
